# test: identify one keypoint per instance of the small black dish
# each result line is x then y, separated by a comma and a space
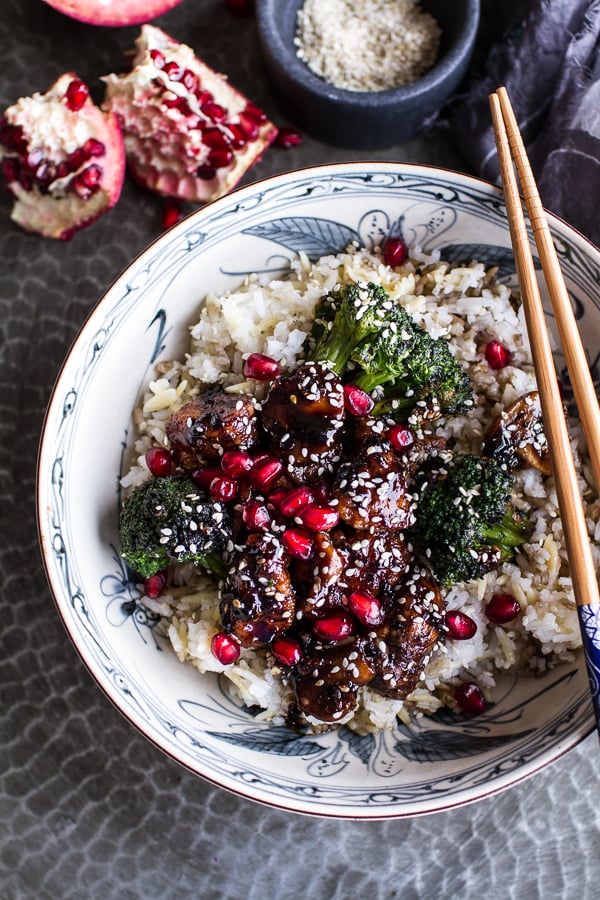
370, 119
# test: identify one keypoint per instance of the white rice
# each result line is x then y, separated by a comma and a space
464, 305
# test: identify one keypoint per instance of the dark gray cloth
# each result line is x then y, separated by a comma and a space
548, 57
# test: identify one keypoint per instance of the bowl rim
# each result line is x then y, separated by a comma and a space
543, 760
298, 72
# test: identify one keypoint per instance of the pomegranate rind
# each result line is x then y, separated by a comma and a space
50, 126
163, 144
113, 12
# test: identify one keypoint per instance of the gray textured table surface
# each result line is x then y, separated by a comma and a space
88, 807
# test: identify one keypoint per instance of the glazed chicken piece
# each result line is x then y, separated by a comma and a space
371, 489
517, 436
404, 642
320, 579
258, 600
377, 561
304, 414
202, 430
326, 681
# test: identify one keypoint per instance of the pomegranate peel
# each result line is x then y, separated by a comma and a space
113, 12
62, 159
188, 133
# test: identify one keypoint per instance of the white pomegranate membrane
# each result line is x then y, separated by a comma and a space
188, 133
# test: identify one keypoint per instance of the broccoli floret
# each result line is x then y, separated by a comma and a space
168, 519
365, 335
465, 523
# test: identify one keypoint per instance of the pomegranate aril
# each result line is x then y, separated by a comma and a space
10, 168
155, 585
395, 252
157, 58
159, 461
203, 97
287, 651
214, 111
190, 80
76, 94
76, 159
265, 472
238, 139
12, 137
225, 648
63, 169
497, 355
34, 158
255, 113
401, 437
206, 172
45, 172
318, 518
287, 137
93, 147
215, 139
91, 175
261, 368
366, 608
297, 543
80, 188
173, 70
502, 608
334, 627
357, 401
470, 698
321, 492
204, 477
255, 515
223, 488
295, 499
460, 626
220, 158
171, 214
236, 463
249, 126
275, 497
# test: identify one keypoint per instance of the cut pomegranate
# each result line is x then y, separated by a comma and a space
255, 516
335, 627
357, 401
395, 251
298, 543
294, 500
225, 648
159, 461
261, 368
113, 12
155, 585
401, 437
188, 133
318, 518
497, 355
469, 697
55, 192
265, 472
502, 608
236, 463
223, 488
461, 627
287, 651
366, 608
288, 137
171, 214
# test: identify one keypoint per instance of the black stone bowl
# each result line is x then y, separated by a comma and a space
369, 119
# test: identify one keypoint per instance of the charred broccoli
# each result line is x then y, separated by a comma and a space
168, 519
362, 333
465, 523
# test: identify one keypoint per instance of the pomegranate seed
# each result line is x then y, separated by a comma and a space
34, 158
190, 80
91, 175
293, 501
173, 70
205, 172
276, 497
498, 356
237, 140
157, 58
261, 368
204, 477
502, 608
395, 251
255, 516
45, 172
240, 7
287, 651
215, 139
220, 158
321, 491
460, 626
265, 472
318, 518
255, 113
249, 126
214, 111
171, 214
203, 97
62, 169
155, 585
357, 401
469, 698
75, 159
225, 648
287, 137
223, 488
92, 147
159, 461
401, 436
236, 463
366, 608
12, 137
76, 94
297, 543
10, 169
335, 627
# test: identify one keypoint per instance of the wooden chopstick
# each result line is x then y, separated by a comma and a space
585, 583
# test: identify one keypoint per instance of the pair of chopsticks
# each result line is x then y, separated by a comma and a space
510, 147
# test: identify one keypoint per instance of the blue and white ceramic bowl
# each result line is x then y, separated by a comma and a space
436, 764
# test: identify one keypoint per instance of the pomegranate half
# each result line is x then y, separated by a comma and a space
188, 133
61, 158
113, 12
